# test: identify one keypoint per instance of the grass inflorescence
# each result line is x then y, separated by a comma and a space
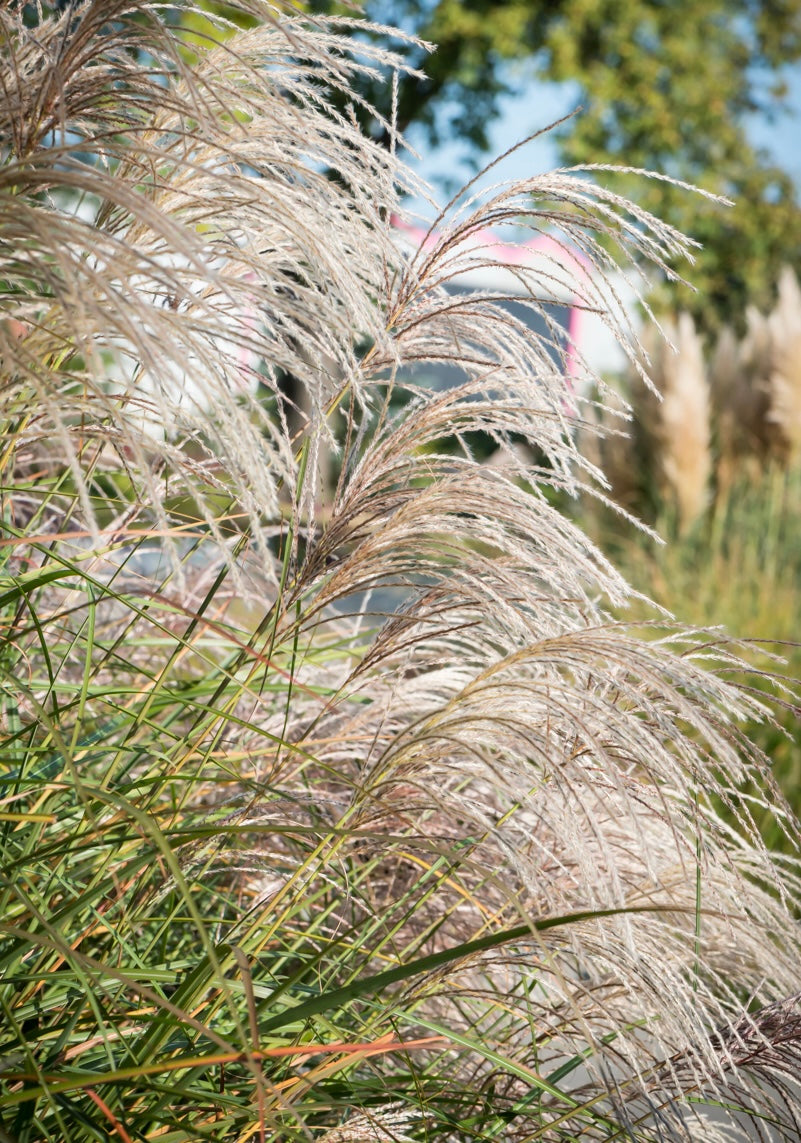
282, 860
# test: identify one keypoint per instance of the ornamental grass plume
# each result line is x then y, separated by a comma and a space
784, 416
345, 818
756, 387
674, 420
740, 403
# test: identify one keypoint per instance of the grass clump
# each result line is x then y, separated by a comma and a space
714, 467
737, 569
276, 864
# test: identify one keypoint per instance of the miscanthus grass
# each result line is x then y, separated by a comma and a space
737, 568
280, 861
